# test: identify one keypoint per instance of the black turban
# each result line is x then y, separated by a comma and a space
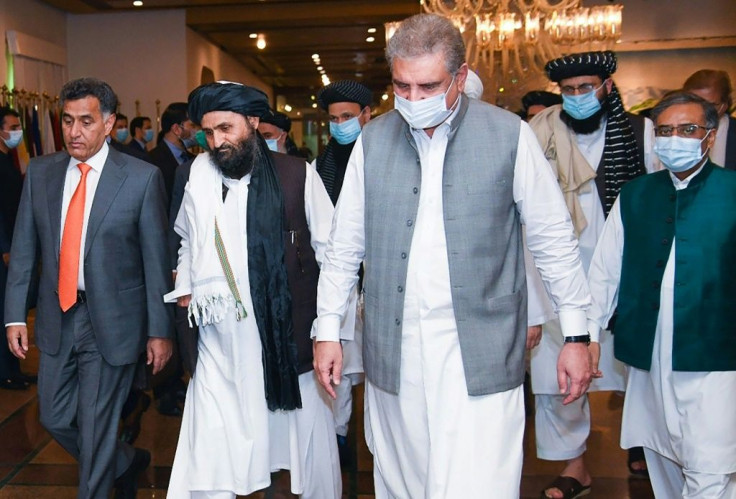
344, 91
602, 64
540, 98
226, 96
277, 119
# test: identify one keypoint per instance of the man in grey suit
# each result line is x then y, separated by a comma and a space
92, 330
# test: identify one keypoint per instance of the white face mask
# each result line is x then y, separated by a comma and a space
679, 154
425, 113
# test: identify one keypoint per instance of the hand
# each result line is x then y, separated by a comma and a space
158, 353
183, 301
595, 356
533, 336
6, 259
574, 365
17, 340
328, 364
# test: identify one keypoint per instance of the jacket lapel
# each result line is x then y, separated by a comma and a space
111, 180
54, 194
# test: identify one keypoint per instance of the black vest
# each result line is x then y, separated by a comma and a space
301, 264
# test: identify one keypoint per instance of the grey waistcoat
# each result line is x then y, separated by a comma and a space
484, 245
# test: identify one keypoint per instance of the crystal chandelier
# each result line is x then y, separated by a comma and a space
509, 41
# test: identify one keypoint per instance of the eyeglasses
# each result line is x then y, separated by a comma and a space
686, 130
585, 88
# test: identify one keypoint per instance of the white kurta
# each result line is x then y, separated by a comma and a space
688, 417
432, 440
229, 440
544, 357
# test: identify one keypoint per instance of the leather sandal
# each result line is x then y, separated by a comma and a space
570, 488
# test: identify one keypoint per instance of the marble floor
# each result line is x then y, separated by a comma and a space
34, 466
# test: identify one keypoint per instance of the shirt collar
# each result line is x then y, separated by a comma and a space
97, 162
682, 184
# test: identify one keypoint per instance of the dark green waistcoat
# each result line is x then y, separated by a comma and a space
701, 220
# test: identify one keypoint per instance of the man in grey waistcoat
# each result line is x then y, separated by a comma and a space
437, 191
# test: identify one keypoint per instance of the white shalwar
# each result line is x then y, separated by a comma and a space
432, 440
229, 442
686, 421
562, 430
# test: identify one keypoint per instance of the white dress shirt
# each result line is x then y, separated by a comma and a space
73, 176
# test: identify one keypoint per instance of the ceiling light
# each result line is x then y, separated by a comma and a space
298, 113
319, 68
370, 39
314, 105
261, 42
287, 108
312, 97
371, 30
253, 35
384, 97
315, 56
138, 3
359, 75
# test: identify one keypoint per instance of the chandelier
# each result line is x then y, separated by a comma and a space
508, 42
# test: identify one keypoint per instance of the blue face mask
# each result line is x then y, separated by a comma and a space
148, 135
273, 144
189, 142
346, 132
679, 154
580, 107
121, 134
15, 136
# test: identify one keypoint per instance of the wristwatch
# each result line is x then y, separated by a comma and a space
583, 338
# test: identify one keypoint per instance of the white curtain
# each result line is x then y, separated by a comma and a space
38, 76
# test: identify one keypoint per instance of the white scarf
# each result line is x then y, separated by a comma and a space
201, 207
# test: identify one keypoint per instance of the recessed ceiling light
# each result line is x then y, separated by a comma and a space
370, 39
287, 108
312, 97
319, 68
371, 30
384, 97
253, 35
314, 105
315, 56
261, 42
138, 3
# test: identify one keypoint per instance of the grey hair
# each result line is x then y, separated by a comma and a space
682, 97
427, 34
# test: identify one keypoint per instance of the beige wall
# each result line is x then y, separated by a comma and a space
200, 52
141, 55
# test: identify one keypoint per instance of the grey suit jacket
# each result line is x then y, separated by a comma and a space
126, 264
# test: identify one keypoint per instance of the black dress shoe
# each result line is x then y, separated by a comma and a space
168, 406
13, 384
26, 378
126, 485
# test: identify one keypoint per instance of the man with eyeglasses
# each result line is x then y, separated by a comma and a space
667, 261
715, 87
595, 148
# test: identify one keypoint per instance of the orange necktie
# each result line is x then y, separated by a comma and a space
70, 243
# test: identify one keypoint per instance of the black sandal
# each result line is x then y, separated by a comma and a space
569, 486
636, 455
